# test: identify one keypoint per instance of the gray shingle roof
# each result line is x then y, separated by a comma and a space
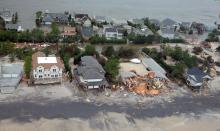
168, 22
9, 69
152, 65
110, 29
87, 31
55, 17
10, 26
196, 76
90, 68
168, 30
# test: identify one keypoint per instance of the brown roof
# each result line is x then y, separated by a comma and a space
35, 64
68, 31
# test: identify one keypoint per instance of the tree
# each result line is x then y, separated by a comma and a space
112, 68
6, 48
109, 51
54, 35
15, 18
218, 49
197, 50
90, 50
178, 70
37, 35
27, 66
38, 18
39, 14
126, 52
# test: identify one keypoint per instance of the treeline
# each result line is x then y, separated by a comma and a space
150, 39
102, 40
37, 35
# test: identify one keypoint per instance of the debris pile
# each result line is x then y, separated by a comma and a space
142, 85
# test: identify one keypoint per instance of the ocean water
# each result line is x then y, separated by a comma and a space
206, 11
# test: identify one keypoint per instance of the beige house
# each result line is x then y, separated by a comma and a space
46, 70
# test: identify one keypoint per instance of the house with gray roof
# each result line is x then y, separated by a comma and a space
168, 28
6, 15
155, 22
90, 73
100, 19
59, 18
87, 32
196, 78
10, 76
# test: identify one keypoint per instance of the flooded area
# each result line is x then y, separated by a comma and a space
206, 11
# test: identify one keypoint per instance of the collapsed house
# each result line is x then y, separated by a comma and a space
143, 76
90, 74
10, 76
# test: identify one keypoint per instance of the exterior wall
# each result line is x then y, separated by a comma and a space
87, 23
110, 35
170, 36
42, 73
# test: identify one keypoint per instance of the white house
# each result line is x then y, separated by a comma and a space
113, 33
46, 69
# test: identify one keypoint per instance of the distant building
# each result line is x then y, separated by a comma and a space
6, 15
168, 28
145, 31
11, 26
68, 31
46, 70
10, 76
155, 22
90, 74
100, 19
196, 78
198, 28
87, 32
59, 18
79, 18
113, 33
186, 25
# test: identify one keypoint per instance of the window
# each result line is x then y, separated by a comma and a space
54, 70
40, 70
35, 76
52, 76
56, 75
40, 76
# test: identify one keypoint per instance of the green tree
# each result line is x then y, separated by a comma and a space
37, 35
179, 70
6, 48
90, 50
54, 35
109, 51
126, 52
112, 68
27, 66
39, 14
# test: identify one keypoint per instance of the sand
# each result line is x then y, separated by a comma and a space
117, 122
